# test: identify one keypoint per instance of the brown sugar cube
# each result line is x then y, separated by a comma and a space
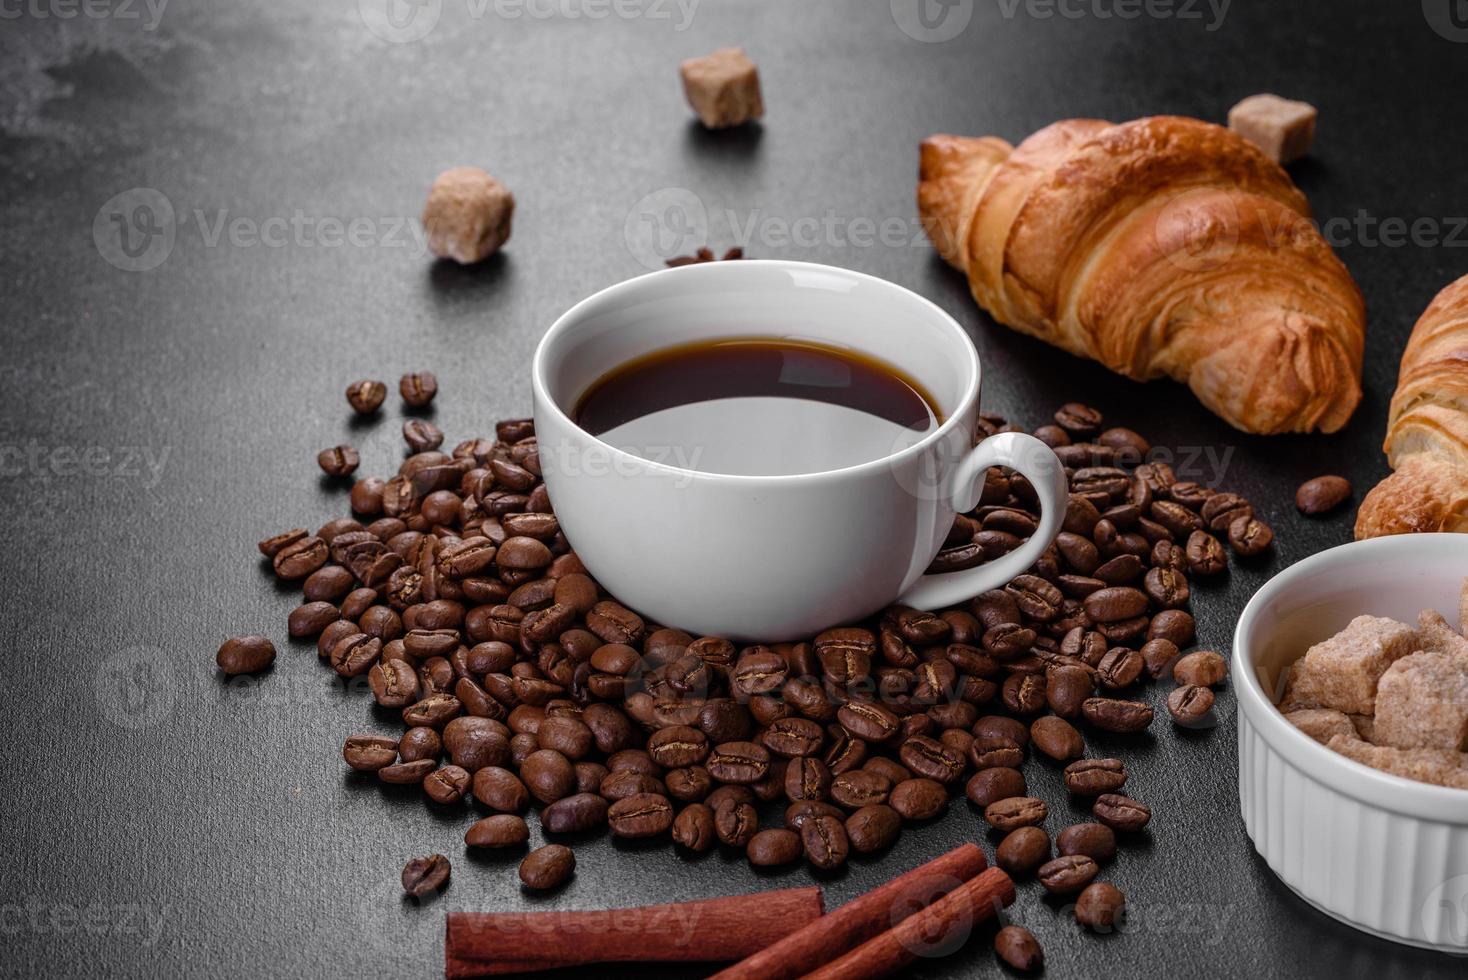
467, 215
1282, 128
1434, 634
723, 88
1422, 703
1342, 672
1321, 724
1424, 765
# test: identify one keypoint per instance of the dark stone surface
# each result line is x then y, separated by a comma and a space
159, 821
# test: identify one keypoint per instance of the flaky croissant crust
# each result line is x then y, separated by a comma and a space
1427, 428
1162, 246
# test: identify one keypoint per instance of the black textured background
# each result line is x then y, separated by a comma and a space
158, 821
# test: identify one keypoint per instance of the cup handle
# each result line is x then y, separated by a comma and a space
1037, 463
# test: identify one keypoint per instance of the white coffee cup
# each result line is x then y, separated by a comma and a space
776, 557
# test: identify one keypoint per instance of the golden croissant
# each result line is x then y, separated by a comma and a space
1427, 428
1161, 246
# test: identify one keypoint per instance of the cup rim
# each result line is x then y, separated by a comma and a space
1356, 779
565, 323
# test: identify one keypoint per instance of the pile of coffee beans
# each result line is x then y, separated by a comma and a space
522, 685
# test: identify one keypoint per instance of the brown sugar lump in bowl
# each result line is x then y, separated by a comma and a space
723, 88
1422, 703
467, 216
1282, 128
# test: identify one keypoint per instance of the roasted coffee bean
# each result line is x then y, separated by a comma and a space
690, 783
354, 654
611, 621
422, 435
1036, 598
1201, 667
759, 670
1167, 587
1017, 946
807, 779
741, 763
357, 602
338, 461
620, 785
1078, 419
735, 823
859, 787
369, 753
1205, 555
1005, 641
420, 742
526, 554
918, 799
1013, 729
1024, 694
931, 759
547, 867
680, 745
426, 875
642, 815
1093, 777
870, 721
1016, 811
575, 814
500, 830
1057, 738
1250, 536
1189, 705
1093, 840
548, 775
1322, 494
434, 710
407, 773
447, 784
1067, 875
1159, 655
1119, 668
366, 397
1023, 850
995, 752
1176, 517
1121, 813
418, 388
991, 785
1175, 625
566, 735
1079, 552
500, 789
422, 644
394, 683
846, 653
300, 557
770, 848
1100, 906
873, 828
1066, 688
1112, 715
1115, 603
825, 841
1051, 435
474, 743
245, 654
1120, 570
694, 828
381, 622
1222, 509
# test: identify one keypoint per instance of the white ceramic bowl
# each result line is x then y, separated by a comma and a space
1381, 853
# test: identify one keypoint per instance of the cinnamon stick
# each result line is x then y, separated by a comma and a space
937, 930
861, 918
487, 944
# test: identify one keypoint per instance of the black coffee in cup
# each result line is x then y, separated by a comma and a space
757, 407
